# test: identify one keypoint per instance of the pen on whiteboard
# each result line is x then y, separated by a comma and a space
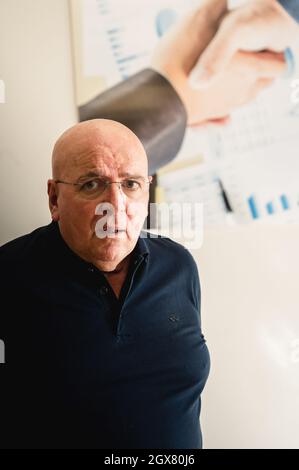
227, 204
230, 219
290, 62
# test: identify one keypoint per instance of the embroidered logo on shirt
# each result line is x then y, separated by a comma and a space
174, 318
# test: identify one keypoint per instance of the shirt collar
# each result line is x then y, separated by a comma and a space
141, 249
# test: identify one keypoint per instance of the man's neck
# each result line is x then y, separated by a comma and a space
117, 277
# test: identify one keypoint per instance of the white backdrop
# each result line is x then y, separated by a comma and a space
35, 64
250, 315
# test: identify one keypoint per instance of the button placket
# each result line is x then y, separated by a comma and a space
104, 290
120, 335
136, 263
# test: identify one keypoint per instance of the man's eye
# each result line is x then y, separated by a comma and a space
90, 186
131, 185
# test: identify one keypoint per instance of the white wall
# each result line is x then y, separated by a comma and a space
249, 276
250, 316
35, 64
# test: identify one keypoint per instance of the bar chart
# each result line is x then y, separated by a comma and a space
259, 208
119, 37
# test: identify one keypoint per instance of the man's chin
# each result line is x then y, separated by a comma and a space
109, 252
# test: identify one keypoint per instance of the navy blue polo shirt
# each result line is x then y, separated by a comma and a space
85, 369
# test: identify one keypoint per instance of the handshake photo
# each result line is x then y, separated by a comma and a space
211, 62
219, 59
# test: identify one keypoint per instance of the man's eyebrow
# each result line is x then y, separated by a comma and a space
96, 174
91, 174
130, 175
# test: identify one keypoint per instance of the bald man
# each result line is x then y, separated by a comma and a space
101, 324
100, 149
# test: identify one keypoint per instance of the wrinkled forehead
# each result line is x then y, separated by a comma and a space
109, 162
112, 153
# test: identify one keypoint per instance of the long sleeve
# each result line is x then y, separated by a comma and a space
147, 104
292, 7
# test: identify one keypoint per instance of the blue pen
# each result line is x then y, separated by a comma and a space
291, 63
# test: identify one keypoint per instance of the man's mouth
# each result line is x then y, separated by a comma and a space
110, 231
115, 230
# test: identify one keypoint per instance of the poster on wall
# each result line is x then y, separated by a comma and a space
244, 173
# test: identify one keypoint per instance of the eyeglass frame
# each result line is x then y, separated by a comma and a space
107, 182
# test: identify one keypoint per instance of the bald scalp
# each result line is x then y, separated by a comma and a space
91, 136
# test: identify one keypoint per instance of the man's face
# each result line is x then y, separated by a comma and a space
89, 212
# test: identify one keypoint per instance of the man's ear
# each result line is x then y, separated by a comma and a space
53, 200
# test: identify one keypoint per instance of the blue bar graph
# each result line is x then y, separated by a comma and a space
113, 31
253, 207
284, 202
270, 208
127, 59
114, 39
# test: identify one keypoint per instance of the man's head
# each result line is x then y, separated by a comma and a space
93, 154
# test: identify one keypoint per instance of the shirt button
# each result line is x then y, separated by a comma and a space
104, 290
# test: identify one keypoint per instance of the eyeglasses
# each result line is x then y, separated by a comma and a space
96, 187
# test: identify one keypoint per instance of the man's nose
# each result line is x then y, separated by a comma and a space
116, 196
